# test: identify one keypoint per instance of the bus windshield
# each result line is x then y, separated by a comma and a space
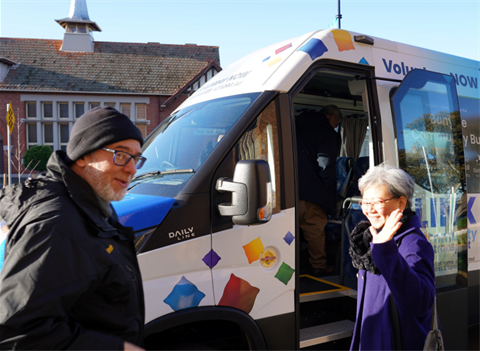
184, 140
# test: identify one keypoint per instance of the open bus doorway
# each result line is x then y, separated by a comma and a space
344, 90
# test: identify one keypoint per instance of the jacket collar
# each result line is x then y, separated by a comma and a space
409, 226
86, 199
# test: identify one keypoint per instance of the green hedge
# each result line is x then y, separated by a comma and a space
35, 154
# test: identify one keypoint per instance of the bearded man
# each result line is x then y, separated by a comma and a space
69, 275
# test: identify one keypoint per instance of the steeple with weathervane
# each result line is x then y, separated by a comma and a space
78, 28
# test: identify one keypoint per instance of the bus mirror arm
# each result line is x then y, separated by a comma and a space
239, 203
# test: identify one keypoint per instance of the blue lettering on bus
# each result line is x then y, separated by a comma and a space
465, 81
418, 207
472, 234
402, 69
433, 208
470, 216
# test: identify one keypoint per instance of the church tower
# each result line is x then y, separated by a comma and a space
78, 28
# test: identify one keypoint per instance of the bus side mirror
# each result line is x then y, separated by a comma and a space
251, 190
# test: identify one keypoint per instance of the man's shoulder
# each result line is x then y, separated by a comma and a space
35, 197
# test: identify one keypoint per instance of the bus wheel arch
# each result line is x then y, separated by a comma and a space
212, 325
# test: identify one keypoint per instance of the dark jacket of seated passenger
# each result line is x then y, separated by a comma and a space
317, 149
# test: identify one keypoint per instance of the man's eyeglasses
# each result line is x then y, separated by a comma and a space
121, 158
377, 203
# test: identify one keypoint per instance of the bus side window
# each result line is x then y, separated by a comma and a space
430, 150
260, 142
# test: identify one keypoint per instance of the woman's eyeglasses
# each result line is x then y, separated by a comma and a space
377, 203
121, 158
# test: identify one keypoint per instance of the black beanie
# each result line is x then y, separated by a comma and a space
99, 127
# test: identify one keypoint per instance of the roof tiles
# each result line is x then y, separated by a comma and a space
113, 67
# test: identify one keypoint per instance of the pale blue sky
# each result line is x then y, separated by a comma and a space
240, 27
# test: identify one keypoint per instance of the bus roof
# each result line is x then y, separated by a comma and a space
279, 66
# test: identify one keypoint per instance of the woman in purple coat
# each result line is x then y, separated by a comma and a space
394, 258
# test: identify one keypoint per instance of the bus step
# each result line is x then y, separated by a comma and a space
313, 288
320, 334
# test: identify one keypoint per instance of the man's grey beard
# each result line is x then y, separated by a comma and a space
101, 185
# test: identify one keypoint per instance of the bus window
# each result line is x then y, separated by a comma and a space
429, 137
260, 142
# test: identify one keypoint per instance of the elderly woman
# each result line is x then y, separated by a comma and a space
394, 258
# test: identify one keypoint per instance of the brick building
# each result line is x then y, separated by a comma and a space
50, 83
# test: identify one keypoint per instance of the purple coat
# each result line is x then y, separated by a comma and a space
408, 273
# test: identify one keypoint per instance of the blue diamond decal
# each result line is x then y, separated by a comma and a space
288, 238
184, 295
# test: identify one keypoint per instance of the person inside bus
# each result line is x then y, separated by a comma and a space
395, 260
318, 147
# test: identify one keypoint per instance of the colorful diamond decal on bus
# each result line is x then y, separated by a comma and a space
211, 259
363, 61
288, 238
343, 39
283, 48
314, 47
274, 61
284, 273
184, 295
239, 293
278, 59
253, 250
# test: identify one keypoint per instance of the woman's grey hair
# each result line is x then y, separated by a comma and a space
397, 181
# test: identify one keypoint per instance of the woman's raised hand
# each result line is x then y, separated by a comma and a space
389, 229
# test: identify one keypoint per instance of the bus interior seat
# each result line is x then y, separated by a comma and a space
361, 167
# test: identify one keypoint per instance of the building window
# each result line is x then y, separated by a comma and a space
78, 109
94, 104
63, 132
143, 129
71, 28
77, 28
63, 109
47, 110
31, 135
31, 108
125, 109
111, 104
141, 112
48, 134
